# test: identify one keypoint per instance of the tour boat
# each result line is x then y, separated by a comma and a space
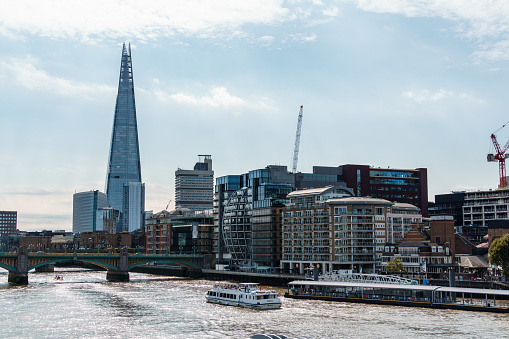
246, 295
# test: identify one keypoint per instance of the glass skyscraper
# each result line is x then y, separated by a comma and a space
124, 188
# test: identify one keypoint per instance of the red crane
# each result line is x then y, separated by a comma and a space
499, 156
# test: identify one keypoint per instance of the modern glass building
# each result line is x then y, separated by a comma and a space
85, 206
124, 188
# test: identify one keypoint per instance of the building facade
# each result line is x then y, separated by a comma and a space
101, 240
449, 204
8, 223
247, 211
399, 185
124, 188
85, 206
180, 230
194, 189
482, 208
341, 233
425, 253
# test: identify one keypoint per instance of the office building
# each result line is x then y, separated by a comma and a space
85, 206
8, 223
397, 185
124, 188
247, 214
194, 189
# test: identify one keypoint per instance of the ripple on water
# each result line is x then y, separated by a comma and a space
85, 305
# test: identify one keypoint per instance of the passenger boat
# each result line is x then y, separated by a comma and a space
468, 299
246, 295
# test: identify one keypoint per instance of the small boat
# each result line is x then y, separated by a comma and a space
246, 295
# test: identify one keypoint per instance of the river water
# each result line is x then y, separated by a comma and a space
84, 305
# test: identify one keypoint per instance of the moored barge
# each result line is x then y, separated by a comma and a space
468, 299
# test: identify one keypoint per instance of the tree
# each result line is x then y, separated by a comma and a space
395, 266
499, 253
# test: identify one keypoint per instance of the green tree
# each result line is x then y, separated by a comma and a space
499, 253
395, 266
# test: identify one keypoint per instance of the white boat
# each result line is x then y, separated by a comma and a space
246, 295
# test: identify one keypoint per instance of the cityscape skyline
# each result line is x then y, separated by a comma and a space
403, 85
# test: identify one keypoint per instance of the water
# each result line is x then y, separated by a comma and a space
84, 305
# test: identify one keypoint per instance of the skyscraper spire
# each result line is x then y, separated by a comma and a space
123, 182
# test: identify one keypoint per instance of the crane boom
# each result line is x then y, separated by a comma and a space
297, 142
499, 156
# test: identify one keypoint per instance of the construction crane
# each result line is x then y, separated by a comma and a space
499, 156
297, 142
169, 202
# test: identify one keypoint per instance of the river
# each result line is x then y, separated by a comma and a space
84, 305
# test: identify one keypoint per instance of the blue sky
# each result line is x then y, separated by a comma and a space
397, 83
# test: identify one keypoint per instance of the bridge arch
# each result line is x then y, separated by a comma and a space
8, 267
172, 261
95, 262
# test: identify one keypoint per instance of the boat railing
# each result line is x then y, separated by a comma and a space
371, 278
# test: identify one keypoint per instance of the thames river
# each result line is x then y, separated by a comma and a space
84, 305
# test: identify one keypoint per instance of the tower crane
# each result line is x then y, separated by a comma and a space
499, 156
297, 142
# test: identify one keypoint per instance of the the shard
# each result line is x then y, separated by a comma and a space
124, 188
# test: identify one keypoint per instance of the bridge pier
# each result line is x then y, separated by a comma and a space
20, 276
122, 274
45, 268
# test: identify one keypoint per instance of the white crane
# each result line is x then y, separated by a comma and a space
297, 142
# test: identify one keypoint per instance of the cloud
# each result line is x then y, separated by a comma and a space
26, 72
217, 97
429, 96
96, 19
303, 38
267, 39
331, 11
484, 23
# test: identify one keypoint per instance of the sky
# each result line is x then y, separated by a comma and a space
386, 83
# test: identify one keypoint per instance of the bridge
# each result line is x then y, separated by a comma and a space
118, 265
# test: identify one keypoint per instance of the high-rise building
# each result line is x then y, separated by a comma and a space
8, 222
85, 206
194, 189
126, 192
